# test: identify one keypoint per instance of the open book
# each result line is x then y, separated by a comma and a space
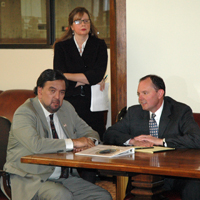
107, 151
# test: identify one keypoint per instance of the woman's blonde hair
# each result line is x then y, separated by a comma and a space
69, 33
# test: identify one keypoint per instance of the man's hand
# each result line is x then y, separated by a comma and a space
83, 143
79, 149
149, 138
140, 143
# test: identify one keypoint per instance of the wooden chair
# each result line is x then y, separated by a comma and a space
4, 133
10, 100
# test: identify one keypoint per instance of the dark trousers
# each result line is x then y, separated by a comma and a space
188, 188
88, 174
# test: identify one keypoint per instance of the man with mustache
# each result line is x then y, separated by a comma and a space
35, 130
174, 126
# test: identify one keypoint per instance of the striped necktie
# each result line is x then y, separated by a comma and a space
53, 129
153, 127
64, 170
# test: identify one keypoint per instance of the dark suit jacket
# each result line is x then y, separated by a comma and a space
177, 126
92, 63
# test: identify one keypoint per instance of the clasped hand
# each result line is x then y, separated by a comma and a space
82, 143
146, 141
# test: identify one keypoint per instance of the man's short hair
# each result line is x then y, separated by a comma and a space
49, 75
157, 82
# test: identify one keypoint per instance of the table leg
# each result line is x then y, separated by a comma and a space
147, 187
121, 187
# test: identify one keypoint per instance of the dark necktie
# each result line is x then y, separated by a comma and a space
153, 127
64, 170
54, 133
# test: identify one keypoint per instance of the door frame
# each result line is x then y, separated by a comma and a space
118, 56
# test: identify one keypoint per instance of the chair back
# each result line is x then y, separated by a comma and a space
121, 114
197, 118
4, 133
10, 100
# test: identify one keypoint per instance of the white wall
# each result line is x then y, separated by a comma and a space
20, 68
163, 38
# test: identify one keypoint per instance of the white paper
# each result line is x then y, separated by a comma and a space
99, 99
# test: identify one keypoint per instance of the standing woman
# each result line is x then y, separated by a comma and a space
82, 57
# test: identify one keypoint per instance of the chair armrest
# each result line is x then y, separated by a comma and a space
5, 181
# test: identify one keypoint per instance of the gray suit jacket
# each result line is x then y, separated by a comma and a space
177, 126
30, 134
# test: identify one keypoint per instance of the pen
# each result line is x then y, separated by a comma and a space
105, 77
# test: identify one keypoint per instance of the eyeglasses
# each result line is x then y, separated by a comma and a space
79, 21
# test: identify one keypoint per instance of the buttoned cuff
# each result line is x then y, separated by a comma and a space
127, 143
69, 144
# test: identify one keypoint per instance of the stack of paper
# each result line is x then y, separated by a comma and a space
99, 99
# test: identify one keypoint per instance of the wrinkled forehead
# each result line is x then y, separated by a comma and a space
57, 84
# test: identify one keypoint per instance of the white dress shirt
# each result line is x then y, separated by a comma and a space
82, 48
61, 135
158, 114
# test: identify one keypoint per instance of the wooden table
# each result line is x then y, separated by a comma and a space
178, 163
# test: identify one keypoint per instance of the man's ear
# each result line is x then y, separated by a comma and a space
161, 93
39, 92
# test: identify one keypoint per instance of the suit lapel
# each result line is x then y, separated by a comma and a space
42, 117
63, 119
146, 117
165, 119
90, 48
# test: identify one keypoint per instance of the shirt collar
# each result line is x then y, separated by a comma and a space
83, 45
158, 113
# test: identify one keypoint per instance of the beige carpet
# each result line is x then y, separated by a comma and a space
108, 185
